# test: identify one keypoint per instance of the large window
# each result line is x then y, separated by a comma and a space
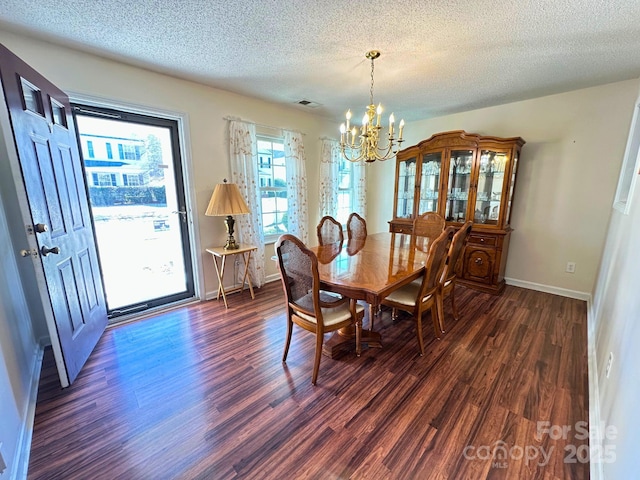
104, 179
273, 186
345, 191
132, 180
129, 152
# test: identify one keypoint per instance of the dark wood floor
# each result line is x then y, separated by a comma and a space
201, 393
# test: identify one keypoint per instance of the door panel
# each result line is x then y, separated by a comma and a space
479, 263
47, 149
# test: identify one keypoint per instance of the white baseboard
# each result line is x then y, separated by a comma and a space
272, 278
268, 279
549, 289
21, 463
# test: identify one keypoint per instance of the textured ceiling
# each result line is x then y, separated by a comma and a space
438, 56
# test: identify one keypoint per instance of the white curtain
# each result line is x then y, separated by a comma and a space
329, 180
360, 188
243, 152
329, 163
296, 185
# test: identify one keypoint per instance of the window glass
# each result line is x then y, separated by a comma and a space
273, 186
345, 191
104, 179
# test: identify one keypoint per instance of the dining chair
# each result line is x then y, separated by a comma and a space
307, 305
356, 227
450, 272
428, 224
329, 231
420, 295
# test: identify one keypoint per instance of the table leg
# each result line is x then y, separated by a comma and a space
220, 274
246, 277
344, 339
372, 314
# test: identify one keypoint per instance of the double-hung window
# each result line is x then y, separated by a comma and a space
272, 183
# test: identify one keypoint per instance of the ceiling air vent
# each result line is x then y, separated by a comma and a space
308, 103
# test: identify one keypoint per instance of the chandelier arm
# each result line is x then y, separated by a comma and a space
352, 159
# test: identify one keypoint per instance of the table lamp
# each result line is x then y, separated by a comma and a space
227, 200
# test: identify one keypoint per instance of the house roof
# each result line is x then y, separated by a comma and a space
438, 57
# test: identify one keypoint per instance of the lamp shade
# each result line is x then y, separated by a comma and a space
226, 200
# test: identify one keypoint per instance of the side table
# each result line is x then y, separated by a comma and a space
220, 253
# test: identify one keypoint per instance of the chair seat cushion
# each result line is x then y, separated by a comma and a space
407, 294
331, 316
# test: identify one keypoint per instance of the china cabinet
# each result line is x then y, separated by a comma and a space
462, 176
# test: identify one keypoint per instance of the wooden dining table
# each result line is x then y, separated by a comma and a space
369, 269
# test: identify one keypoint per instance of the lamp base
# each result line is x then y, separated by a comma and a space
231, 244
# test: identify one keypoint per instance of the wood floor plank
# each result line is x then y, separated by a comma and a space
200, 392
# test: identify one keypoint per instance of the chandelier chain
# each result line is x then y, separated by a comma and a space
371, 90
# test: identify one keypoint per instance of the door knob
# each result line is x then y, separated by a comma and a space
46, 250
40, 227
183, 213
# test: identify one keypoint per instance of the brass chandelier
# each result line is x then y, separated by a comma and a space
367, 147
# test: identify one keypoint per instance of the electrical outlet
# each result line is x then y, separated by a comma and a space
607, 370
571, 267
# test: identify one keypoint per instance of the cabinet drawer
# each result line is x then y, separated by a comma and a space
400, 228
482, 240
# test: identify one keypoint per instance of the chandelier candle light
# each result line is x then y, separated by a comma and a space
366, 147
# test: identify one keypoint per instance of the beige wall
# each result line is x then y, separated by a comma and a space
566, 183
205, 107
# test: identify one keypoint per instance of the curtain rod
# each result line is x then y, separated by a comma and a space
262, 125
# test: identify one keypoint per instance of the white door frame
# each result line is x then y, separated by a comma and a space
182, 120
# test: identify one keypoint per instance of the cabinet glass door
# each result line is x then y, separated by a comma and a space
514, 168
490, 187
430, 182
460, 163
406, 187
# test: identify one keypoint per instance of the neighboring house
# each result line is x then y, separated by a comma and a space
114, 161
